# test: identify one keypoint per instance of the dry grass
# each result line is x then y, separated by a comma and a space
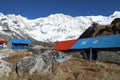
13, 76
19, 52
79, 69
15, 57
73, 69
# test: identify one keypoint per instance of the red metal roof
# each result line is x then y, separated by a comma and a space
65, 45
3, 41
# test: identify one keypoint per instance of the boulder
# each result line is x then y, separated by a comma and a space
40, 47
5, 68
41, 64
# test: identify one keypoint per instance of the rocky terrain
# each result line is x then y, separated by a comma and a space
42, 65
102, 30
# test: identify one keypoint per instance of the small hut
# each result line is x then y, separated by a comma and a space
18, 44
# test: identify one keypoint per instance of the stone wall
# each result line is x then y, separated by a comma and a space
109, 55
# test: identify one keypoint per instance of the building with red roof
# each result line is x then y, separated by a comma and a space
3, 43
65, 45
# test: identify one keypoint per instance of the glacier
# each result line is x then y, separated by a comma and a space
55, 27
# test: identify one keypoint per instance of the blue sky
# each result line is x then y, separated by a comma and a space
42, 8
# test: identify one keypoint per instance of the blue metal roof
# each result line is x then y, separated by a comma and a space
112, 41
20, 41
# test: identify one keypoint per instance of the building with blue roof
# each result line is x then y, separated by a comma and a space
112, 41
18, 44
93, 47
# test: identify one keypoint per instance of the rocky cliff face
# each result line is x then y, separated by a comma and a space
102, 30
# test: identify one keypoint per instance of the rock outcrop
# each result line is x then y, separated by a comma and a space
5, 67
40, 47
41, 64
102, 30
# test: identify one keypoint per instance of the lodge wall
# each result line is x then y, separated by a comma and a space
105, 55
109, 55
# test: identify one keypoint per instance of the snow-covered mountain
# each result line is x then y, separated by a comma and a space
55, 27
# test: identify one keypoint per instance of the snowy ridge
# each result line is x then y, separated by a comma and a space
56, 27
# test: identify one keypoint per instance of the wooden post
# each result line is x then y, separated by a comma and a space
90, 54
85, 55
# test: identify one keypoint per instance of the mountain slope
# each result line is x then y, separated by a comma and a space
55, 27
102, 30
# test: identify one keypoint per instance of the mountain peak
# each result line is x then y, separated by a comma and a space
1, 14
58, 15
116, 13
